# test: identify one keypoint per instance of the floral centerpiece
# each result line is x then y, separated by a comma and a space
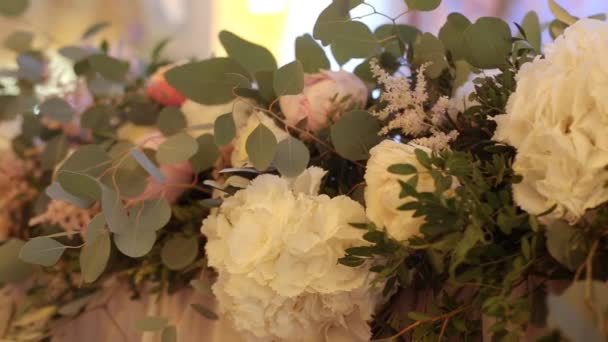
452, 187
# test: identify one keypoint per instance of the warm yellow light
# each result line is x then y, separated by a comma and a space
267, 6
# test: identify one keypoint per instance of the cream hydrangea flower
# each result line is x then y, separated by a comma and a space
557, 119
239, 157
276, 252
382, 191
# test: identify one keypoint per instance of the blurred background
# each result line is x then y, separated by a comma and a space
193, 25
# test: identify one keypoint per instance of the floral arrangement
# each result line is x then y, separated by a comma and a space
453, 187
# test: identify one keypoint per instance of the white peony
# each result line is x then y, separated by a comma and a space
382, 190
557, 119
239, 157
276, 252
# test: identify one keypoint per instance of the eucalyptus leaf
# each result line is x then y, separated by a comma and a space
289, 79
55, 150
179, 252
292, 157
452, 35
531, 26
114, 211
352, 39
95, 228
561, 14
12, 268
42, 250
13, 8
151, 323
78, 173
169, 334
251, 56
19, 41
334, 12
110, 68
261, 147
75, 53
57, 109
205, 312
177, 148
355, 134
224, 129
265, 80
97, 119
556, 28
94, 257
489, 43
206, 155
201, 286
135, 243
422, 5
149, 215
429, 49
94, 29
56, 192
31, 67
311, 54
561, 246
207, 82
171, 120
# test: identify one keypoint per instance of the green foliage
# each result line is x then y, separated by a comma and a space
292, 157
42, 250
78, 174
205, 312
261, 147
55, 150
19, 41
171, 120
565, 244
95, 29
110, 68
355, 134
208, 82
429, 49
351, 39
561, 14
489, 43
289, 79
169, 334
97, 119
224, 129
337, 11
206, 155
94, 257
176, 149
12, 268
452, 35
179, 252
422, 5
310, 54
251, 56
57, 109
532, 29
13, 8
151, 323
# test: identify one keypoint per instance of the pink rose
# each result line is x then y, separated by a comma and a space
322, 98
159, 90
175, 174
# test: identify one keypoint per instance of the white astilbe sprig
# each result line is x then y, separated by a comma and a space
404, 109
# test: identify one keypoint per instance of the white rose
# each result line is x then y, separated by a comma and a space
239, 157
382, 191
557, 119
276, 250
204, 116
321, 98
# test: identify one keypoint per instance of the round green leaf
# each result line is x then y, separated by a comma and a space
489, 43
75, 53
97, 119
12, 268
176, 149
135, 243
531, 26
19, 41
311, 55
355, 134
147, 164
208, 81
292, 157
331, 14
171, 120
206, 155
110, 68
224, 129
179, 252
55, 150
251, 56
422, 5
352, 39
94, 257
42, 251
561, 244
56, 192
95, 228
169, 334
265, 80
114, 211
57, 109
150, 215
261, 147
151, 323
77, 175
13, 8
31, 67
561, 14
289, 79
429, 49
452, 35
205, 312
